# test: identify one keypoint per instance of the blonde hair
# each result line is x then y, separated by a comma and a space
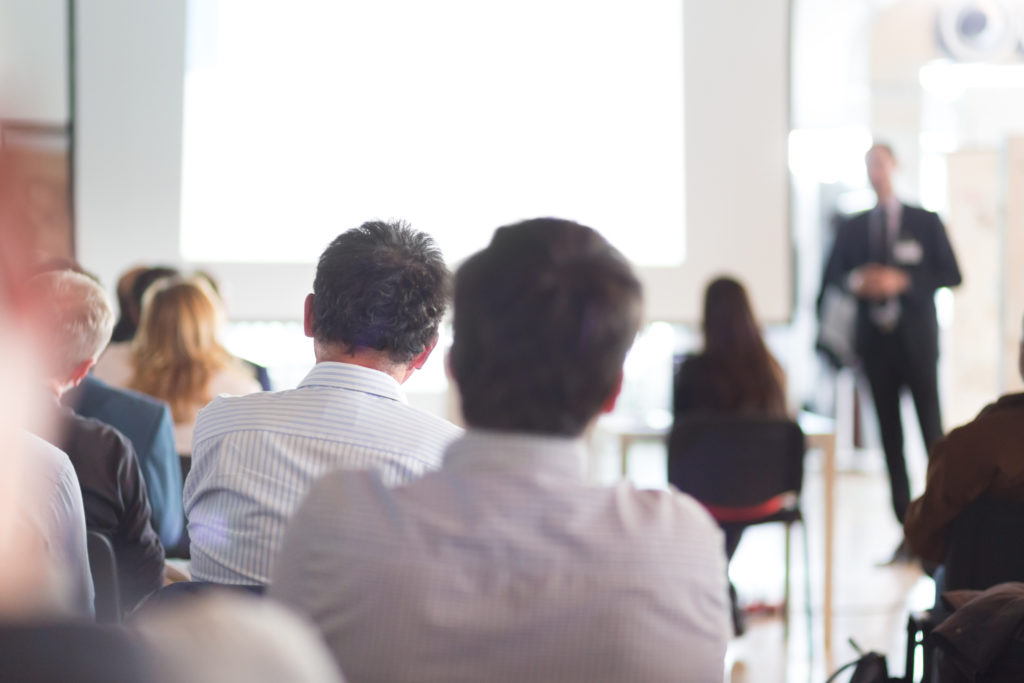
80, 315
176, 352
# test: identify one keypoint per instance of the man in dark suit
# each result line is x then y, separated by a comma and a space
893, 258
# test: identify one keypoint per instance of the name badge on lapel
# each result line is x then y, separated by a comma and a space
907, 252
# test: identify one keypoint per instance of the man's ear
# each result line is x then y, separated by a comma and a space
80, 371
307, 316
422, 356
609, 403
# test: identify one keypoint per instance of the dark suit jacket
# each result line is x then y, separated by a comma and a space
936, 267
116, 502
148, 424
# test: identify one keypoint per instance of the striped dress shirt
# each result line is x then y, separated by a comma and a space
507, 566
254, 457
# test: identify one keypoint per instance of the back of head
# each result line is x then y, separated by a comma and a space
544, 317
176, 346
78, 317
231, 638
381, 286
142, 280
729, 325
745, 376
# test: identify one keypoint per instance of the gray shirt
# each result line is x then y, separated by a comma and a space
506, 565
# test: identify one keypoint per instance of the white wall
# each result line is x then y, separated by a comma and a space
130, 67
130, 72
34, 60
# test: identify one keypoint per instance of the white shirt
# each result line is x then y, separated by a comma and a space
59, 516
254, 457
507, 566
228, 381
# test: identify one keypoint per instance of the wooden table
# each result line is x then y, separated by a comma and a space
819, 434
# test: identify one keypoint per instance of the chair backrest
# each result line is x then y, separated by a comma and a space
732, 461
103, 566
984, 545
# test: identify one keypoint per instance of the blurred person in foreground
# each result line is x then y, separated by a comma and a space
224, 637
379, 294
892, 259
37, 645
78, 321
983, 458
507, 565
177, 356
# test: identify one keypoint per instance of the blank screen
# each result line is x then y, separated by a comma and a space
303, 119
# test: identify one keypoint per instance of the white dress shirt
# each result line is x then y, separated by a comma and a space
59, 516
254, 457
507, 565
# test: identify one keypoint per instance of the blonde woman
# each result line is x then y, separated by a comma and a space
176, 355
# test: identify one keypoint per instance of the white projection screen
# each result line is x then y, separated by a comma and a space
455, 115
661, 123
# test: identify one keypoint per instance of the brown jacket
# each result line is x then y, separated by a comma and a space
984, 457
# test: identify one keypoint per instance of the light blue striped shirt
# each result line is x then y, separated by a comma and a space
254, 457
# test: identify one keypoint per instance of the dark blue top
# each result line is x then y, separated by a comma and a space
148, 425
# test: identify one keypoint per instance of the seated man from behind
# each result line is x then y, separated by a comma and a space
78, 324
379, 294
507, 565
985, 457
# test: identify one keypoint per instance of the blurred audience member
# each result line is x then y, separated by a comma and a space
58, 515
115, 365
983, 458
378, 297
507, 565
124, 328
78, 322
259, 372
177, 357
44, 568
149, 426
227, 638
735, 373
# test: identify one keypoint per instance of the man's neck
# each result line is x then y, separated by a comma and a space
365, 358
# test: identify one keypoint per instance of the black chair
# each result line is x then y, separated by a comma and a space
103, 567
983, 549
736, 462
185, 590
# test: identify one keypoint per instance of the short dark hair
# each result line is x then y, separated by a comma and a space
543, 319
380, 286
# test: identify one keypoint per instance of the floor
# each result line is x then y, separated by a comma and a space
871, 601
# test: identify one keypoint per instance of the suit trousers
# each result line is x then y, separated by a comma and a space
890, 367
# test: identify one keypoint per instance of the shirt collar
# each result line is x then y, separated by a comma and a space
354, 378
484, 450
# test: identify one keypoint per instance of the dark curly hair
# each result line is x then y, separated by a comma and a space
544, 317
381, 286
